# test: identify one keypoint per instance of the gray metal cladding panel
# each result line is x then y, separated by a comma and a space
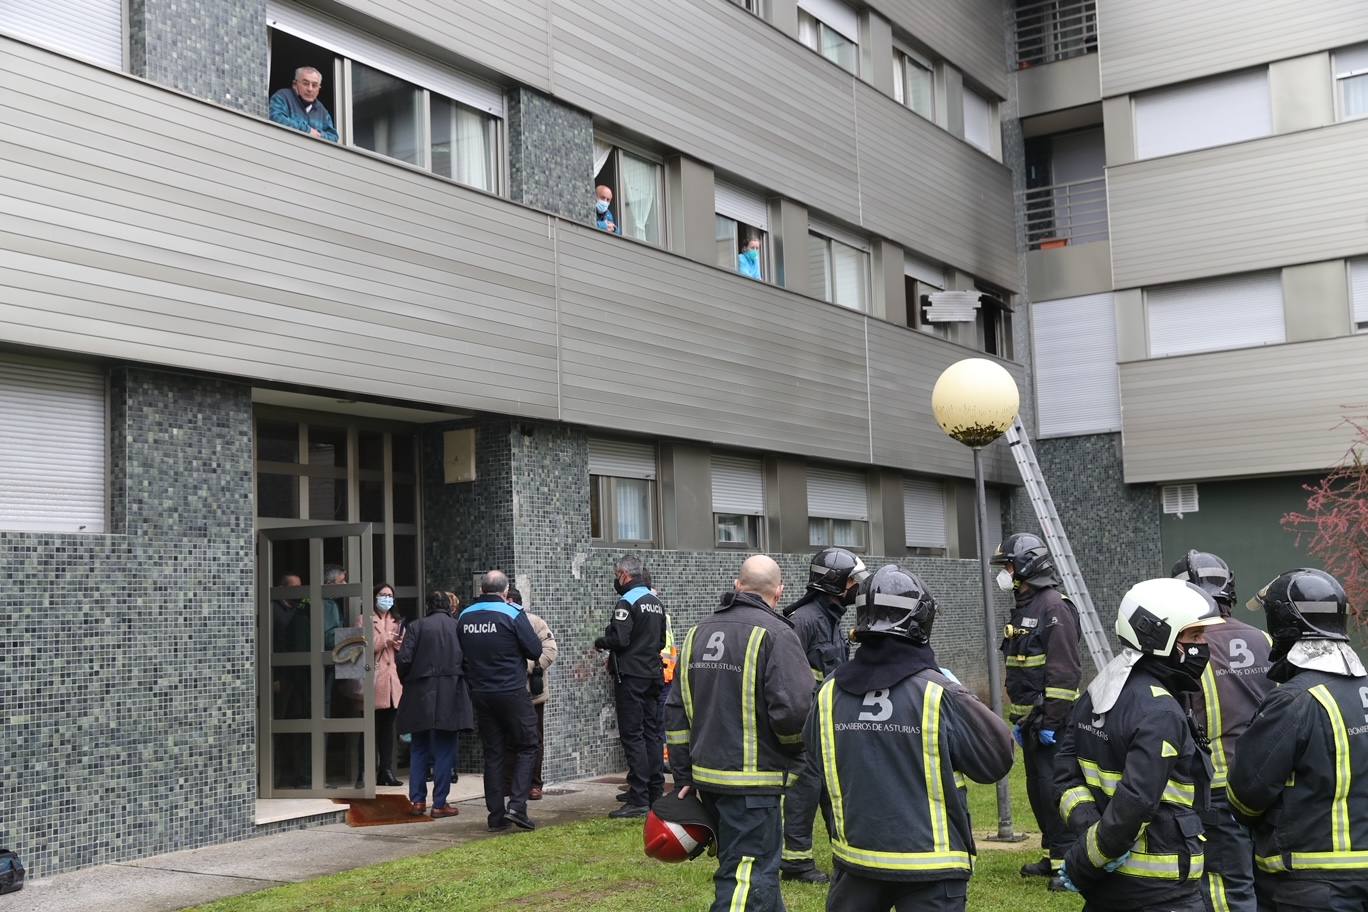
1148, 43
508, 37
1295, 198
903, 368
705, 78
657, 344
971, 34
934, 193
1264, 410
139, 224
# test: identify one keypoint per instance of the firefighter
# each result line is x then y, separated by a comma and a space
891, 735
1040, 644
834, 578
1233, 686
735, 727
1300, 778
1132, 776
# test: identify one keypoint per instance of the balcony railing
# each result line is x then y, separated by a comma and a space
1065, 214
1055, 30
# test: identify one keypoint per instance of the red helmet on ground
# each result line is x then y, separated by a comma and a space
677, 829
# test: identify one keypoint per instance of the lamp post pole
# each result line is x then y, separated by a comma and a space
1004, 797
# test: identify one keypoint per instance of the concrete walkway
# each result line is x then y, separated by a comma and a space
164, 883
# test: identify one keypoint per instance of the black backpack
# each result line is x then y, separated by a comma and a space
11, 872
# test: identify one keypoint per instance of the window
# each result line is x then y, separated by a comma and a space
832, 29
1237, 311
921, 277
90, 29
52, 451
839, 269
622, 492
754, 7
838, 509
993, 322
1077, 384
980, 121
1351, 81
914, 83
742, 231
1179, 499
638, 186
924, 517
1212, 112
738, 501
390, 101
1358, 292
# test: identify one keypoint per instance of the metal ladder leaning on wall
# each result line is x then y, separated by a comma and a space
1099, 644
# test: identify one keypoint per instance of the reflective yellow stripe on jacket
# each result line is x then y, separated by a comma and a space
1212, 699
825, 698
685, 659
1339, 807
750, 737
931, 766
1060, 693
1107, 781
1014, 661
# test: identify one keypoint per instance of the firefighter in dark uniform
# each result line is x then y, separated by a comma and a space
1044, 668
735, 727
1301, 777
834, 578
1132, 777
891, 734
1233, 686
634, 638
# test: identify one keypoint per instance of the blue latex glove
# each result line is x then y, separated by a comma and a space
1064, 878
1047, 736
950, 674
1115, 863
1016, 734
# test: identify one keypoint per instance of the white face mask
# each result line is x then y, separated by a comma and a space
1004, 580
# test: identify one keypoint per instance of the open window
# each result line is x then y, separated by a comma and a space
742, 223
914, 82
994, 321
922, 277
832, 29
636, 181
1351, 81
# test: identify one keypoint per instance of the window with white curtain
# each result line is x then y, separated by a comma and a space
1358, 292
838, 508
924, 517
638, 186
89, 29
914, 83
1209, 112
1078, 388
738, 500
1351, 81
839, 269
622, 477
980, 121
1239, 311
832, 29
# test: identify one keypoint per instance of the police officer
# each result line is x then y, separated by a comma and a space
890, 734
634, 638
1040, 644
1132, 777
1235, 683
834, 578
1301, 776
498, 641
735, 726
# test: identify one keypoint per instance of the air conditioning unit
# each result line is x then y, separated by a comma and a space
1180, 499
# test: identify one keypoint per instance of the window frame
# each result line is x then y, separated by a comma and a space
830, 284
830, 524
903, 59
819, 32
993, 104
619, 147
1341, 77
734, 266
602, 491
755, 531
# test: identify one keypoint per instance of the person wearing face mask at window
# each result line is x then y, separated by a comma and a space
1044, 669
388, 637
603, 213
748, 262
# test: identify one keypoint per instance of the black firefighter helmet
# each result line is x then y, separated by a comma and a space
833, 568
1030, 559
1303, 604
894, 602
1209, 572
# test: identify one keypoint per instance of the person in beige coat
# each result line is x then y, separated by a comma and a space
536, 685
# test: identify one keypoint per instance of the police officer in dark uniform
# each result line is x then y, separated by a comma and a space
498, 641
1301, 776
1235, 683
891, 734
1044, 668
1132, 777
834, 578
634, 638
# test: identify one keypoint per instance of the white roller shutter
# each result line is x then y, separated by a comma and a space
1358, 289
1239, 311
90, 29
978, 120
1077, 383
923, 270
924, 513
350, 41
836, 15
745, 206
834, 494
738, 485
52, 446
621, 458
1212, 112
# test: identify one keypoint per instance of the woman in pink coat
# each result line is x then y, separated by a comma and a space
389, 636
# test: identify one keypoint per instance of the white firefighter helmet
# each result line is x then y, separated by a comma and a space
1154, 612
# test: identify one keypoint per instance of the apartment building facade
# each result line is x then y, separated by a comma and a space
231, 353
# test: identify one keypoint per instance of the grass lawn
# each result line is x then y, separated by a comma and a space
598, 866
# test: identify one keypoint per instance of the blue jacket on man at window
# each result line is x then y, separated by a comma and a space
288, 109
605, 218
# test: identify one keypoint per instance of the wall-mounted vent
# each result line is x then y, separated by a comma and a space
1180, 499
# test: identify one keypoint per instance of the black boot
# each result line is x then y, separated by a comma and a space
1041, 868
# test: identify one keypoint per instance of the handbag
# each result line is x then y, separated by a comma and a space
11, 872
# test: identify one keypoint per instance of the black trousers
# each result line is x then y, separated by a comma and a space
857, 893
749, 840
1228, 884
507, 722
642, 731
1192, 903
801, 800
384, 745
1040, 788
1285, 894
511, 756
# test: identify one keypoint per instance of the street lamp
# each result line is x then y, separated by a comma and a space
975, 401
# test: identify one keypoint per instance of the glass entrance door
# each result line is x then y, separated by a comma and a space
316, 692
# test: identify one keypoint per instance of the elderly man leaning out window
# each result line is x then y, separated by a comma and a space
298, 106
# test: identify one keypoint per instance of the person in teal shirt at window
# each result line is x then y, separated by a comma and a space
748, 263
298, 106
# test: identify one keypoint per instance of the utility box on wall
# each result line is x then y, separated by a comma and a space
458, 455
